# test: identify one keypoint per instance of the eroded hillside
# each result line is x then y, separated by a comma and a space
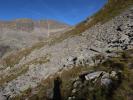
29, 67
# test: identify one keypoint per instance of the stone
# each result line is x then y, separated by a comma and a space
74, 91
2, 97
106, 81
70, 98
8, 68
50, 93
105, 75
94, 75
77, 84
130, 65
113, 74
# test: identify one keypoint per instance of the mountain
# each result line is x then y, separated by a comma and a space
22, 33
93, 60
30, 25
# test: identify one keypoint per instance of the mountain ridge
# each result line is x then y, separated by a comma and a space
18, 24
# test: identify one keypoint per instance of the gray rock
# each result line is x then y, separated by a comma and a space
70, 98
113, 74
106, 75
50, 93
77, 84
106, 81
74, 91
130, 65
94, 75
2, 97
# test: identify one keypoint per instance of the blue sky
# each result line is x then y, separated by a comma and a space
67, 11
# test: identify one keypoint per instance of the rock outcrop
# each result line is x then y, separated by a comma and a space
92, 81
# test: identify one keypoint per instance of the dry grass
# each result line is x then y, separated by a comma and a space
14, 58
14, 73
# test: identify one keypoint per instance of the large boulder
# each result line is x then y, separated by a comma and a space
94, 75
106, 81
105, 78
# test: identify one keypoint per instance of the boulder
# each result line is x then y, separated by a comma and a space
106, 81
106, 75
94, 75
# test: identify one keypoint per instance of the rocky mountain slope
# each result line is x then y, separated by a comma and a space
28, 67
21, 33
